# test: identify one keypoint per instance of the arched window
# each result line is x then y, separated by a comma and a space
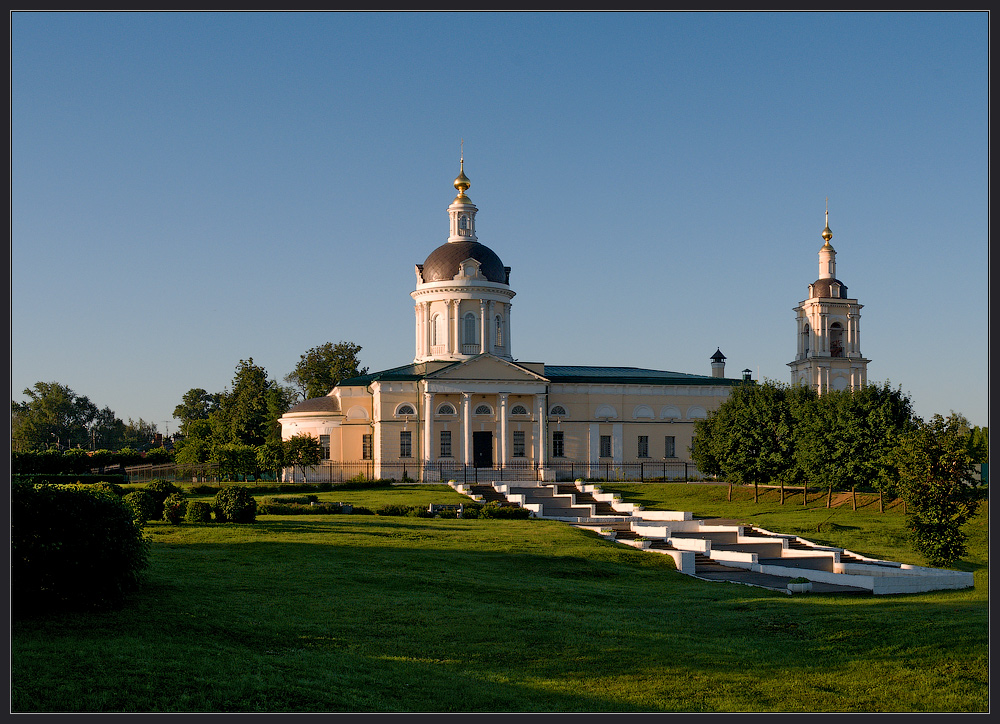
446, 409
643, 412
471, 332
557, 410
836, 340
484, 410
670, 412
435, 322
518, 410
405, 409
805, 339
499, 328
605, 411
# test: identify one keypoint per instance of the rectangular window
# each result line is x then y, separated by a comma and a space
405, 444
324, 443
605, 446
644, 446
558, 444
669, 449
446, 443
519, 443
366, 447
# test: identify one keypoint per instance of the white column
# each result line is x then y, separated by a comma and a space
502, 448
427, 329
617, 442
428, 422
491, 326
467, 428
449, 313
510, 348
416, 330
483, 327
543, 432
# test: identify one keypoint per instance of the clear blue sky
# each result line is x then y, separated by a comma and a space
193, 189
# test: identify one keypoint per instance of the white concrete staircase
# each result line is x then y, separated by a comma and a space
719, 550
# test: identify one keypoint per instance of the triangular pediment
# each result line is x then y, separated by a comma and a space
486, 367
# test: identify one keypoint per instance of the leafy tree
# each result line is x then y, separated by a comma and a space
321, 368
236, 461
936, 465
53, 415
107, 431
196, 446
138, 434
750, 438
279, 399
197, 404
271, 456
243, 415
302, 451
846, 438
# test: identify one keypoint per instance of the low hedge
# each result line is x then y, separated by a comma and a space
72, 548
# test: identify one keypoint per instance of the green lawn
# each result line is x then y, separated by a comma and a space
367, 613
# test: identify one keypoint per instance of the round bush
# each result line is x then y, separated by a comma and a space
174, 508
198, 512
235, 505
106, 487
72, 548
142, 505
160, 489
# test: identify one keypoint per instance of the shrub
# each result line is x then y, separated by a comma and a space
496, 511
267, 507
142, 505
203, 489
160, 489
72, 547
112, 488
393, 509
198, 512
234, 504
471, 510
174, 508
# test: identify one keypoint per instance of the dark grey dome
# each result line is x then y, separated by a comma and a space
443, 263
824, 288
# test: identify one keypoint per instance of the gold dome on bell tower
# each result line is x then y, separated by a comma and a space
462, 182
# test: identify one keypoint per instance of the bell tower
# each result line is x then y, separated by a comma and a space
828, 330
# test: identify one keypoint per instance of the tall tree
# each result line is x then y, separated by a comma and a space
936, 465
321, 368
750, 438
244, 415
197, 404
53, 416
847, 438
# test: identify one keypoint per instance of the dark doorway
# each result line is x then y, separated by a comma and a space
482, 449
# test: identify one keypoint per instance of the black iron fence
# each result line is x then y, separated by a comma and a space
339, 472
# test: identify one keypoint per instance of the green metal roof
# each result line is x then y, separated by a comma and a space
561, 373
630, 376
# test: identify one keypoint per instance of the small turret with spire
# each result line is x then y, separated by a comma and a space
827, 255
462, 211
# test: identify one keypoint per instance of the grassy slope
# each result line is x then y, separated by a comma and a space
363, 613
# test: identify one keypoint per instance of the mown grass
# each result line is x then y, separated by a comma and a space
375, 614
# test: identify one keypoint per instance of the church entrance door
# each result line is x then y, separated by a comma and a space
482, 449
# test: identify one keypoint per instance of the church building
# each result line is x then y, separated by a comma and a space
828, 356
464, 404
